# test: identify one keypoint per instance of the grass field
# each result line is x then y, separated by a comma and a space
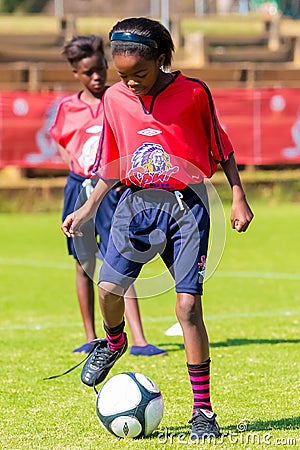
252, 310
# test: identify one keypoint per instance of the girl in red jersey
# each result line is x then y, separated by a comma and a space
161, 138
77, 130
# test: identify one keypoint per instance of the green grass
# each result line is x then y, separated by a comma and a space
252, 312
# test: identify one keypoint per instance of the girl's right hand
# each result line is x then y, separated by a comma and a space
74, 221
69, 227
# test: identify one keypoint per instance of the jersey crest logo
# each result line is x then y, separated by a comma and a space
149, 132
89, 148
151, 165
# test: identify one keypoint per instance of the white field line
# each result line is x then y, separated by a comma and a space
266, 275
222, 316
218, 273
35, 263
33, 326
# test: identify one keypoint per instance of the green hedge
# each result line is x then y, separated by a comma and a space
24, 6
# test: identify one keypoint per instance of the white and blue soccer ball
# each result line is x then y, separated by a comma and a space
130, 405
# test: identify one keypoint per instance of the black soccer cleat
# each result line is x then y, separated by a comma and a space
100, 362
204, 425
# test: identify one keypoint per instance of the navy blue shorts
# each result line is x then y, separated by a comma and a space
95, 232
148, 222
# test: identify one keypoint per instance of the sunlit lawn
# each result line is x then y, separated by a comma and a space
252, 312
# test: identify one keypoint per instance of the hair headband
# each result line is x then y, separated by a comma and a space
132, 37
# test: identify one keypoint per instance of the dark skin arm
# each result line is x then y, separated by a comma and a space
241, 214
73, 222
64, 154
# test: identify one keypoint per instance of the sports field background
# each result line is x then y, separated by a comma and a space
252, 312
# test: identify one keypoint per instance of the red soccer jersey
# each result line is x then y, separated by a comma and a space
166, 141
77, 128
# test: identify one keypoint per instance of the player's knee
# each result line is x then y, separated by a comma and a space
107, 290
186, 307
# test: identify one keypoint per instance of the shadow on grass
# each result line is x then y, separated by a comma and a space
286, 423
171, 346
237, 342
177, 346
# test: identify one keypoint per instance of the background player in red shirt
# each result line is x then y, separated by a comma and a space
77, 130
161, 138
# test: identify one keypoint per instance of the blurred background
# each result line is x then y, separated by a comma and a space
248, 52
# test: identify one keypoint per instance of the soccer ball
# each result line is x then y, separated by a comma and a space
130, 405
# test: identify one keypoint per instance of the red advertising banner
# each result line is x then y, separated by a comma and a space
263, 125
25, 120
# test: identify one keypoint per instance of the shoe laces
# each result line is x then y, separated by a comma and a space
100, 356
101, 353
72, 368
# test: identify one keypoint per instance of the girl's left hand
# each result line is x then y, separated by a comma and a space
241, 215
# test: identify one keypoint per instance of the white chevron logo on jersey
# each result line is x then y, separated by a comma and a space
149, 132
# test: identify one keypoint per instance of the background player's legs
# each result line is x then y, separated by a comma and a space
133, 318
86, 300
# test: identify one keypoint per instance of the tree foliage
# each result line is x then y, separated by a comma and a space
24, 6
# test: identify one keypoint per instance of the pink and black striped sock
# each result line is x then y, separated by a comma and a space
115, 336
199, 378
